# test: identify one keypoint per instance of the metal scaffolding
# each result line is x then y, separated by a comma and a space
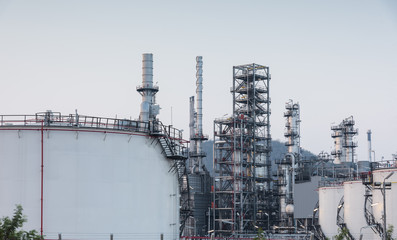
242, 185
344, 140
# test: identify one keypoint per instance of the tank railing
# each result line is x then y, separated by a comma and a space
331, 183
384, 164
18, 120
56, 119
79, 121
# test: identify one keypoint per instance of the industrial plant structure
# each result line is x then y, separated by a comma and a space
294, 197
198, 175
80, 176
286, 167
242, 194
86, 177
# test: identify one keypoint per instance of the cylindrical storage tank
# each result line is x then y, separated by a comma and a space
94, 183
329, 198
354, 217
391, 198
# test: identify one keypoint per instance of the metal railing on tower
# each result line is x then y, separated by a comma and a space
242, 197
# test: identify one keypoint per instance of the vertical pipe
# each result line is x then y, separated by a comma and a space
213, 181
369, 145
42, 179
192, 133
209, 220
199, 93
234, 151
384, 209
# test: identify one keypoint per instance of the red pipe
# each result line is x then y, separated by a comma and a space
42, 176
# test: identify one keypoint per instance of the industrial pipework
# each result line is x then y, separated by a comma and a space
243, 198
192, 127
198, 174
149, 108
196, 153
292, 133
199, 93
344, 140
369, 133
287, 166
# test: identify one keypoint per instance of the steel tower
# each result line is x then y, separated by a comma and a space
199, 182
344, 140
242, 156
287, 166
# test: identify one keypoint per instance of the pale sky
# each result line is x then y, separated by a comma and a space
336, 58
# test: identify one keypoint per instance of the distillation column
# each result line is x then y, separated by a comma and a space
192, 127
196, 122
369, 133
242, 156
198, 175
344, 141
287, 166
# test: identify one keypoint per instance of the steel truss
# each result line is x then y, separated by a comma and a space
242, 156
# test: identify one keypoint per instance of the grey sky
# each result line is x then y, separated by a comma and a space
336, 58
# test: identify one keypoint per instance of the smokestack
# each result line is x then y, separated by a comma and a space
199, 93
149, 109
192, 133
369, 145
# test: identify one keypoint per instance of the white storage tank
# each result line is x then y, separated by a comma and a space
354, 218
391, 198
329, 198
97, 180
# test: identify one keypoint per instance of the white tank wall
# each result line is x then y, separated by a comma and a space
329, 198
354, 199
94, 184
391, 198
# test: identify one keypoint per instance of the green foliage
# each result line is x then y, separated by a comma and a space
10, 228
342, 234
389, 231
260, 235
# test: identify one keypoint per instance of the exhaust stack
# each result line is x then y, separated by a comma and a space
369, 145
199, 93
149, 108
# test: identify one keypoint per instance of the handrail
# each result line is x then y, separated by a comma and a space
56, 119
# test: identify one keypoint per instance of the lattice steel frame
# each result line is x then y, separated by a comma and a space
242, 155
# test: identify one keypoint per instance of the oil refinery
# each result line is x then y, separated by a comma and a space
88, 177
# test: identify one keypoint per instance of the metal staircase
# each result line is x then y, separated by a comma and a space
369, 217
175, 149
318, 232
340, 221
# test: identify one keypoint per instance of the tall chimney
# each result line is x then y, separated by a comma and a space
199, 93
369, 145
149, 108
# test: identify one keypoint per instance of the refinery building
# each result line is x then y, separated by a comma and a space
88, 177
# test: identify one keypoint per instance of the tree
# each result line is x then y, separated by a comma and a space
343, 234
10, 228
389, 231
260, 235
